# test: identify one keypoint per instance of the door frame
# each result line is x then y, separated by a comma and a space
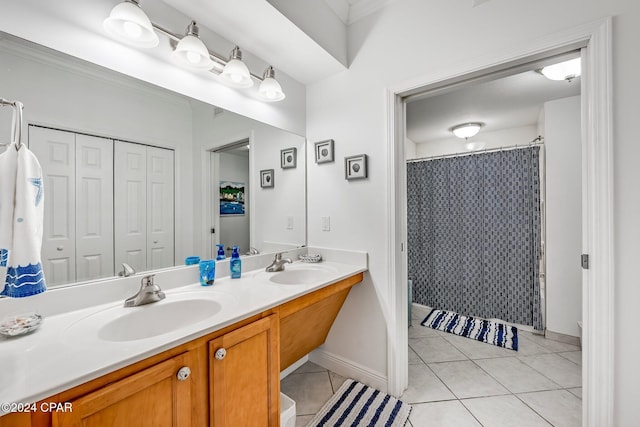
597, 206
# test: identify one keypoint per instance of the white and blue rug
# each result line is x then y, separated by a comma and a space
489, 331
358, 405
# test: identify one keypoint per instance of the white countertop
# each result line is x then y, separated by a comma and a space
64, 352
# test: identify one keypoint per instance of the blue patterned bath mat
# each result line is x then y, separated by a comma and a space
358, 405
489, 331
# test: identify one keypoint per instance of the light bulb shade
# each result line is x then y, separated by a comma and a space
236, 74
270, 90
567, 70
192, 53
128, 23
467, 130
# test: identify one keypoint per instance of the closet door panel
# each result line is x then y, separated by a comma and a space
130, 205
55, 151
94, 207
160, 199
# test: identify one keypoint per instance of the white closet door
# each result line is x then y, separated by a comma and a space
160, 198
56, 152
130, 205
94, 207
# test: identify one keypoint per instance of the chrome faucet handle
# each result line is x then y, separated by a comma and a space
127, 270
149, 292
147, 281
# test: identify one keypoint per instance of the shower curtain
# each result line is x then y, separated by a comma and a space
474, 234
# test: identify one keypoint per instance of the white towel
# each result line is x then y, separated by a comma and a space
21, 219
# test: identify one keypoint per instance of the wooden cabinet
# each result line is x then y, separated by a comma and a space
244, 376
155, 396
234, 379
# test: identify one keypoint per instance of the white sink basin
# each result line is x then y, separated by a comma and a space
301, 274
177, 311
156, 319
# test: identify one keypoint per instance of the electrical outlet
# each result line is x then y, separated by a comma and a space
289, 223
326, 223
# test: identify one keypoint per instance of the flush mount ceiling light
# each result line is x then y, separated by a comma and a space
191, 51
128, 23
567, 70
467, 130
270, 90
236, 73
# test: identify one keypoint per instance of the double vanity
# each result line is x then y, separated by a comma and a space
200, 356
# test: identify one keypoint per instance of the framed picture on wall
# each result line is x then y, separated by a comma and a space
231, 198
355, 167
288, 158
266, 178
324, 151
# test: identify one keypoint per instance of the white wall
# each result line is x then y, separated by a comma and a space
421, 37
563, 214
234, 229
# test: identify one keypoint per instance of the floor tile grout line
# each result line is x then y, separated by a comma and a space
530, 407
542, 373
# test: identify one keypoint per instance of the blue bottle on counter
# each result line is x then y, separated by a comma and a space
221, 254
235, 264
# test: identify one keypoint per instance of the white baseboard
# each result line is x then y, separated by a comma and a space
295, 365
557, 336
349, 369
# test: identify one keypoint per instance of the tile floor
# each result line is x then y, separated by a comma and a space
455, 381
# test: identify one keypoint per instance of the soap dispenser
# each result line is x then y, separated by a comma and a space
221, 254
235, 264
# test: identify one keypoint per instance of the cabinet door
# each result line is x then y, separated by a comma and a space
94, 207
56, 153
244, 378
152, 397
130, 205
160, 208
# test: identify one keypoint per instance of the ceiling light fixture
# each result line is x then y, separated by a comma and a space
567, 70
236, 73
128, 23
270, 90
467, 130
191, 51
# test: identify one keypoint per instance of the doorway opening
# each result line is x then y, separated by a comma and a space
597, 205
230, 207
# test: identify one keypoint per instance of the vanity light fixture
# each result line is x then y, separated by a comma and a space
128, 23
567, 70
236, 73
270, 90
467, 130
191, 51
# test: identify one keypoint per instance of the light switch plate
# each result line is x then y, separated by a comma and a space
289, 223
326, 223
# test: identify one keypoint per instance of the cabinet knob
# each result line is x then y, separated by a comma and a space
60, 248
183, 373
220, 353
155, 242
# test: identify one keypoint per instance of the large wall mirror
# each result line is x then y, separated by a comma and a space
140, 175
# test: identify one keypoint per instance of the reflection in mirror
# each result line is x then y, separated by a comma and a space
129, 175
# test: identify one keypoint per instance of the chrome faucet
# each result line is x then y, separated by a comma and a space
127, 270
149, 292
278, 263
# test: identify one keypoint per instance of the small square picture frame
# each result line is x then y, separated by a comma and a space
355, 167
267, 178
324, 151
288, 158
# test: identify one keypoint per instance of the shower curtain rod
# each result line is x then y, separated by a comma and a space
538, 140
